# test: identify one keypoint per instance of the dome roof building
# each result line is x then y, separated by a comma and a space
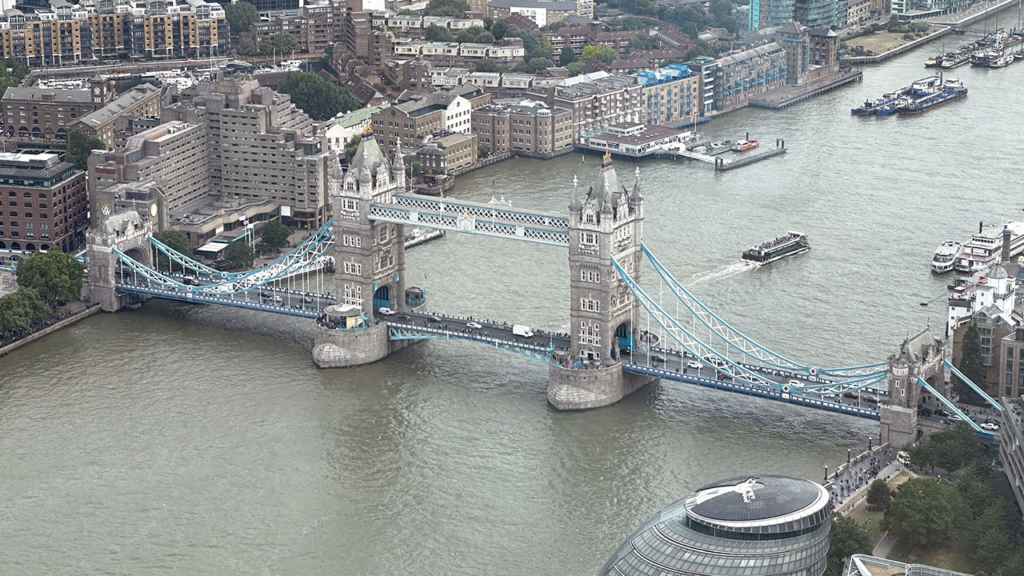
744, 526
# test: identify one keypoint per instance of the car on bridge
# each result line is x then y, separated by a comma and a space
190, 281
655, 359
990, 426
308, 299
276, 300
473, 325
851, 395
693, 364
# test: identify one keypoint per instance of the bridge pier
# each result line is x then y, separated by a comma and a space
579, 389
334, 348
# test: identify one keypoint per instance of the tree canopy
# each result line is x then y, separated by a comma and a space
566, 56
174, 239
951, 450
79, 147
691, 19
846, 539
275, 234
239, 254
605, 54
879, 494
720, 14
923, 513
240, 16
475, 34
642, 42
972, 365
56, 276
499, 29
18, 70
278, 43
316, 96
20, 310
435, 33
446, 8
535, 46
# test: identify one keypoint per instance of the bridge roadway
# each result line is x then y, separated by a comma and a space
266, 299
410, 325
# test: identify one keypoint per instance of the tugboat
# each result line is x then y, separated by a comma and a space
945, 254
745, 145
791, 244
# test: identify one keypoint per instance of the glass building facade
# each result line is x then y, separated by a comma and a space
746, 526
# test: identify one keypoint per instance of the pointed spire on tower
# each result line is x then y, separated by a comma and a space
635, 196
575, 202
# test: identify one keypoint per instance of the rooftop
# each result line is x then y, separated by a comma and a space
545, 4
745, 498
120, 104
37, 94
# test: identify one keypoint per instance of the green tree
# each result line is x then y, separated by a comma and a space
316, 96
18, 311
435, 33
446, 8
278, 44
11, 79
56, 276
486, 65
846, 539
239, 254
471, 34
972, 365
499, 29
923, 513
540, 64
79, 147
605, 54
575, 68
534, 46
1015, 565
879, 494
691, 19
642, 42
720, 14
240, 16
174, 239
350, 148
566, 56
953, 450
246, 47
700, 48
485, 38
275, 234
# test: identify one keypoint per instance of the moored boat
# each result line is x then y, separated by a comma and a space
945, 255
950, 91
745, 145
985, 248
791, 244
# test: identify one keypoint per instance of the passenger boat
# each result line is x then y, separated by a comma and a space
945, 254
791, 244
984, 248
745, 145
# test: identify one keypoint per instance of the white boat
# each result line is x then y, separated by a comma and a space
985, 248
945, 254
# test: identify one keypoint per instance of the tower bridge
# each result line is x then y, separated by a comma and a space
369, 311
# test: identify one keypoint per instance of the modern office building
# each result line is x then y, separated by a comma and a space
763, 525
44, 202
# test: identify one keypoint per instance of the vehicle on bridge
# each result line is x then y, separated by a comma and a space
473, 325
385, 311
520, 330
990, 426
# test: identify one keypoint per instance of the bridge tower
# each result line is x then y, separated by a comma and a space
369, 256
921, 356
126, 231
605, 223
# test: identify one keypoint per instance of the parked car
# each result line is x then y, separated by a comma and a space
903, 458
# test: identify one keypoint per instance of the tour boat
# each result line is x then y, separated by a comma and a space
945, 254
744, 145
791, 244
985, 248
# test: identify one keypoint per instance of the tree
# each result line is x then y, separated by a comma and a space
535, 46
174, 239
472, 34
435, 33
879, 494
275, 234
446, 8
11, 79
540, 64
486, 65
700, 48
240, 16
972, 365
239, 254
56, 276
20, 310
720, 15
691, 19
566, 56
499, 29
575, 68
846, 539
642, 42
279, 44
352, 146
246, 47
79, 148
952, 450
605, 54
316, 96
485, 38
923, 513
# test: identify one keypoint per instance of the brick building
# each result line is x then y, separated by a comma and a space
597, 100
528, 128
44, 202
48, 113
447, 153
418, 115
142, 100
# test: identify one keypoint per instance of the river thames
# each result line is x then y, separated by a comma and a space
198, 440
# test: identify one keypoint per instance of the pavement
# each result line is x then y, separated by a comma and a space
884, 546
851, 483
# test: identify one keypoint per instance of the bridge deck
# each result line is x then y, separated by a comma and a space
292, 303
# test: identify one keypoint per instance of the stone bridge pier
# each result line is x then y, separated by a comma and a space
921, 356
127, 232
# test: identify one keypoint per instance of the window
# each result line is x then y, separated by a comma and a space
1009, 378
590, 305
588, 238
355, 241
353, 268
349, 205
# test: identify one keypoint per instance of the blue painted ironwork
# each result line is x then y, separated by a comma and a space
984, 395
953, 408
202, 298
471, 224
400, 331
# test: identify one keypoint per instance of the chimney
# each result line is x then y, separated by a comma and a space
980, 224
1006, 244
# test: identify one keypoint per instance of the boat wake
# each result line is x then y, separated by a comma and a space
723, 272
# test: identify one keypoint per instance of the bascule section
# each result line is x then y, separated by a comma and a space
369, 257
605, 232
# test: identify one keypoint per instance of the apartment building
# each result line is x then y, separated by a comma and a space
447, 153
416, 115
314, 28
43, 202
61, 32
754, 71
597, 100
670, 95
507, 52
528, 128
47, 112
